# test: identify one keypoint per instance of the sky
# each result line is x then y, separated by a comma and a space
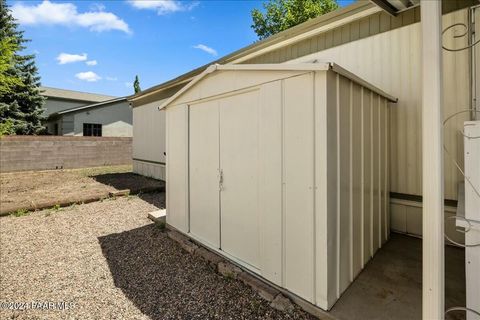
99, 46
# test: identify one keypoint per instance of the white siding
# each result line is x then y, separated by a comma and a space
149, 140
391, 61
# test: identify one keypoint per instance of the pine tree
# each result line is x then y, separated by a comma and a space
22, 104
136, 85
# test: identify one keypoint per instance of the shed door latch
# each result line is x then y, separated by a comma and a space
220, 179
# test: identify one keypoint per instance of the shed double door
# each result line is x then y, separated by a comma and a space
224, 175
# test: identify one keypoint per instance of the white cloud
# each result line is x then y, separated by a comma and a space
89, 76
207, 49
111, 78
64, 58
163, 6
91, 63
48, 13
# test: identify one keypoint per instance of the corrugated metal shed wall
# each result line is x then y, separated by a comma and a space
304, 198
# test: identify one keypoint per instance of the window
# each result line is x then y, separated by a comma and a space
92, 129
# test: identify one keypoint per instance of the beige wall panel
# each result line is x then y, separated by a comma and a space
399, 217
240, 234
376, 172
367, 138
270, 180
298, 185
392, 61
204, 172
326, 218
343, 152
381, 187
356, 195
152, 170
221, 82
414, 220
177, 169
149, 132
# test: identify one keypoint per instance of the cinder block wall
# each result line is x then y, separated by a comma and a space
21, 153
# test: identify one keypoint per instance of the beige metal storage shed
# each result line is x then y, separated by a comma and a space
283, 169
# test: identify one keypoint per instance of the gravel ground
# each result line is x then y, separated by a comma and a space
110, 262
33, 189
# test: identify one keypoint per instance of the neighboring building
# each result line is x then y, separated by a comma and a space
80, 113
61, 99
111, 118
385, 51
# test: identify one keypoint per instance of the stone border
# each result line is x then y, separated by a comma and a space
80, 200
279, 299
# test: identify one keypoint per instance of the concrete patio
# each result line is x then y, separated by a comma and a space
390, 286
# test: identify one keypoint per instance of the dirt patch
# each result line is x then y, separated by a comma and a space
32, 190
108, 261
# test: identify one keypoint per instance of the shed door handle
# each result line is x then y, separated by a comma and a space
220, 181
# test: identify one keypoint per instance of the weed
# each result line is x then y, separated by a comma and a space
131, 196
160, 225
20, 213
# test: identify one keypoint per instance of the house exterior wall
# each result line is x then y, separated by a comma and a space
53, 105
149, 140
312, 175
115, 118
392, 61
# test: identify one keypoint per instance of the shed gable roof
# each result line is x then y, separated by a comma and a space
320, 66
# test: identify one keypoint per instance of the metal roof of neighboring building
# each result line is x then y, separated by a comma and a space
74, 95
89, 106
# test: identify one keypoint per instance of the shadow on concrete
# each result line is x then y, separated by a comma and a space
164, 282
390, 286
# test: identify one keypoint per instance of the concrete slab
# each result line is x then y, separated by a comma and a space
158, 216
390, 286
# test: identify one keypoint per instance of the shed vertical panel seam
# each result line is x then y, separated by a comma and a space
386, 191
187, 178
350, 155
371, 174
167, 158
283, 232
219, 190
380, 171
338, 183
187, 171
314, 191
362, 178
